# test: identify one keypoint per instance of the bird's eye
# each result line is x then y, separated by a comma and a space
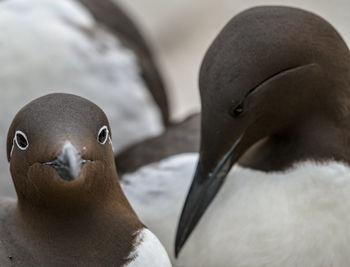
237, 111
21, 140
102, 135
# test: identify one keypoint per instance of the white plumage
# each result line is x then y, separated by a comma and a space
51, 46
157, 192
295, 218
148, 251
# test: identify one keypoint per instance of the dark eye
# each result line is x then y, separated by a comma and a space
21, 140
237, 111
102, 135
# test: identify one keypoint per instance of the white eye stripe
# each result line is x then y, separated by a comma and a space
21, 140
110, 142
103, 135
13, 145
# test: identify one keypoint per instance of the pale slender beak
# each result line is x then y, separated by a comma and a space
69, 163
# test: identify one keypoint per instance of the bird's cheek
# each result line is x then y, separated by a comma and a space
44, 175
93, 171
47, 183
30, 181
100, 176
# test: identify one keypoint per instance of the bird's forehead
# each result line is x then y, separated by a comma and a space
60, 116
261, 41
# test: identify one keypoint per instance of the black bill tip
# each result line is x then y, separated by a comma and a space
205, 186
203, 189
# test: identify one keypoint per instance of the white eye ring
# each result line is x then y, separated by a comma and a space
102, 135
21, 140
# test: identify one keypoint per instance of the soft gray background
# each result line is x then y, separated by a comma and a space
181, 30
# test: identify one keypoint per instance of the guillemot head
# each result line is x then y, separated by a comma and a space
59, 149
269, 71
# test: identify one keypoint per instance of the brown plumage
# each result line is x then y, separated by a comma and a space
55, 222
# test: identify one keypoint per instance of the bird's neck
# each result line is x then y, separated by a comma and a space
108, 207
100, 221
316, 140
104, 232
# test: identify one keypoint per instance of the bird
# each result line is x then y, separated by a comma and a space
272, 182
274, 89
70, 210
85, 47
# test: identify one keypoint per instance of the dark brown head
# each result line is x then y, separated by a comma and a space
270, 71
60, 153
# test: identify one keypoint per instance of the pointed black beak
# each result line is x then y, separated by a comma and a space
205, 186
69, 163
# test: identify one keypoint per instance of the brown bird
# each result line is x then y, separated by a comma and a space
275, 91
71, 210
